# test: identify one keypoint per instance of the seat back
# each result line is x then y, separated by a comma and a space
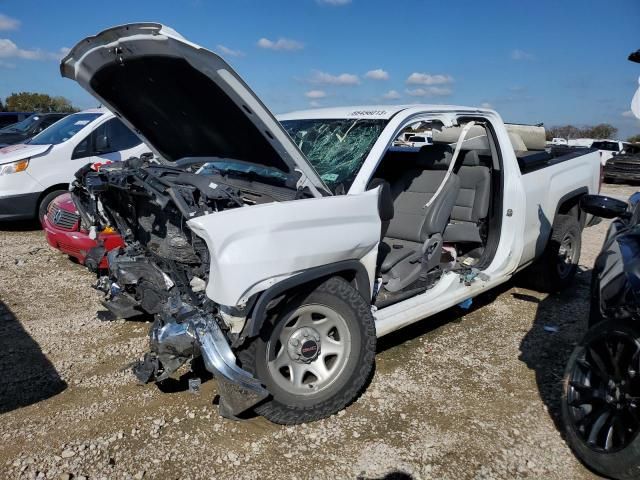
414, 187
472, 203
385, 203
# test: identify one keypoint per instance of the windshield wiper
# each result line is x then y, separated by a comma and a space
253, 175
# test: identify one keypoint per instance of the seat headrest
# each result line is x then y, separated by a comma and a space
471, 159
437, 156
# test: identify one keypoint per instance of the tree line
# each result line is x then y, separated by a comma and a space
602, 130
36, 102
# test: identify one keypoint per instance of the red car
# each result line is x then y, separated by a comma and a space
64, 232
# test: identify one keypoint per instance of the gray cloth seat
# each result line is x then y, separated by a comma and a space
396, 251
413, 224
472, 203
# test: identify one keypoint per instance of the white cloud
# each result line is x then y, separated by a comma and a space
323, 78
229, 52
521, 55
280, 44
334, 3
8, 49
315, 94
392, 95
486, 105
417, 78
377, 74
628, 114
8, 23
429, 92
60, 54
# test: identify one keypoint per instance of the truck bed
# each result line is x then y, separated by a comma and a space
535, 160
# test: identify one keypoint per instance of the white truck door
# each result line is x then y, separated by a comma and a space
254, 247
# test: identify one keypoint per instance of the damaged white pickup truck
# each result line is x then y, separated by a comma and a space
279, 250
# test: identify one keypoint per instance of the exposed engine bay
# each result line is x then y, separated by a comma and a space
164, 268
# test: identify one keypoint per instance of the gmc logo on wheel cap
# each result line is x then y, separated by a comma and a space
309, 348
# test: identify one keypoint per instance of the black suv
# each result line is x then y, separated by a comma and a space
27, 128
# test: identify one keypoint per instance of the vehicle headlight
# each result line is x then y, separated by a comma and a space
14, 167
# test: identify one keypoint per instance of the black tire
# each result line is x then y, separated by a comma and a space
622, 461
43, 206
287, 408
554, 271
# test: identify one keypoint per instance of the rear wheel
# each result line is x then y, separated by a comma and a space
601, 399
316, 357
43, 206
558, 264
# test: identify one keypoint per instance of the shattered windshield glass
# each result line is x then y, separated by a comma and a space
336, 148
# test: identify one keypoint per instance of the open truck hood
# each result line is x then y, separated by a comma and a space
184, 100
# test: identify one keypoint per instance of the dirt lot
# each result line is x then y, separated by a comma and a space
463, 395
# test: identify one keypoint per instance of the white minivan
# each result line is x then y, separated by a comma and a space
34, 173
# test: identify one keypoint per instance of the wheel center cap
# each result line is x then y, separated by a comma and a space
304, 345
309, 349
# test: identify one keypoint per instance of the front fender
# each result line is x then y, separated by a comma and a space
253, 245
352, 269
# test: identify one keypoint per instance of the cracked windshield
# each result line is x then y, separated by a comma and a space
335, 148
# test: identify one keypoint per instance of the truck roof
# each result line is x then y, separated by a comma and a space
384, 112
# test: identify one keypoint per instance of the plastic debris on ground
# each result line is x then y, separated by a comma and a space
194, 385
466, 304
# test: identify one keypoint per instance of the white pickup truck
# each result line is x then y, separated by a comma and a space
278, 250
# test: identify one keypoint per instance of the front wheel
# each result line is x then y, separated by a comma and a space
316, 357
601, 399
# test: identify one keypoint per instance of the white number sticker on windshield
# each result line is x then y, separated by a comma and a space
81, 122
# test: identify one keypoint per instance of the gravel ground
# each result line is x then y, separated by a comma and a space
462, 395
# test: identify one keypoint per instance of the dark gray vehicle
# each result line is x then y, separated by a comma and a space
624, 167
22, 131
601, 386
9, 118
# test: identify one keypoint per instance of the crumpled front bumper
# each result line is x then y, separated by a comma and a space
238, 389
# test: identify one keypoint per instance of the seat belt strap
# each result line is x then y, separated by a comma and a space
456, 152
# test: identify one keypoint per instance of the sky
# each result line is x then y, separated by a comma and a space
555, 62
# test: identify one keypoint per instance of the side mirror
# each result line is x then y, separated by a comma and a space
601, 206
